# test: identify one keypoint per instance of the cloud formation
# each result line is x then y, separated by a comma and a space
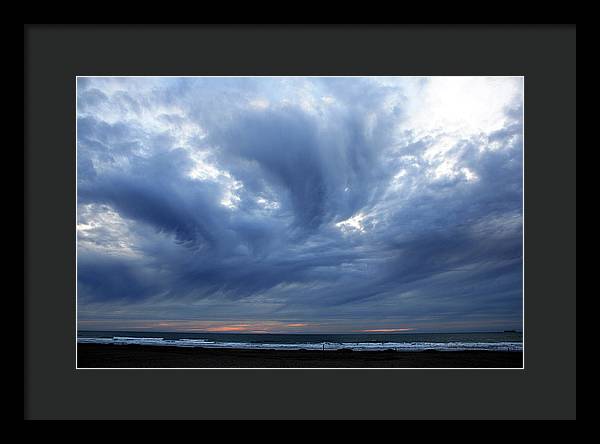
312, 204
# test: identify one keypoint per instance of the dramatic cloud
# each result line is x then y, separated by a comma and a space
300, 204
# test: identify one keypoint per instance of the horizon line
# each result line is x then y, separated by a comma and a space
306, 333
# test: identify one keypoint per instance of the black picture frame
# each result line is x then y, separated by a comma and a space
545, 55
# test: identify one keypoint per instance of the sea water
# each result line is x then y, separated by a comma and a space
500, 341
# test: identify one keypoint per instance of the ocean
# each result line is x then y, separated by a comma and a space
504, 341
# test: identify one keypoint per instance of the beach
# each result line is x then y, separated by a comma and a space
148, 356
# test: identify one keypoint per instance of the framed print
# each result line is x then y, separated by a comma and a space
300, 222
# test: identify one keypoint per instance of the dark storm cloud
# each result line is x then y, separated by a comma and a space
153, 192
113, 278
310, 170
294, 199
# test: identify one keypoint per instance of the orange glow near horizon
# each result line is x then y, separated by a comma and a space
230, 328
263, 327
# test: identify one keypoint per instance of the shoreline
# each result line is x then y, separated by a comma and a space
149, 356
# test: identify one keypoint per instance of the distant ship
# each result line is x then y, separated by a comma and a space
510, 331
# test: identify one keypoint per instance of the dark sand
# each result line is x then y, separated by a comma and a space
104, 356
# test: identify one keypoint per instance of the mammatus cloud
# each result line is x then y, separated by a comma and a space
300, 204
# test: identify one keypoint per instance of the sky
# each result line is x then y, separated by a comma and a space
300, 204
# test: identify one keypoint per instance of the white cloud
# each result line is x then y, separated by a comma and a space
463, 105
354, 223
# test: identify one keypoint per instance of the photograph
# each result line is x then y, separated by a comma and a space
290, 222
